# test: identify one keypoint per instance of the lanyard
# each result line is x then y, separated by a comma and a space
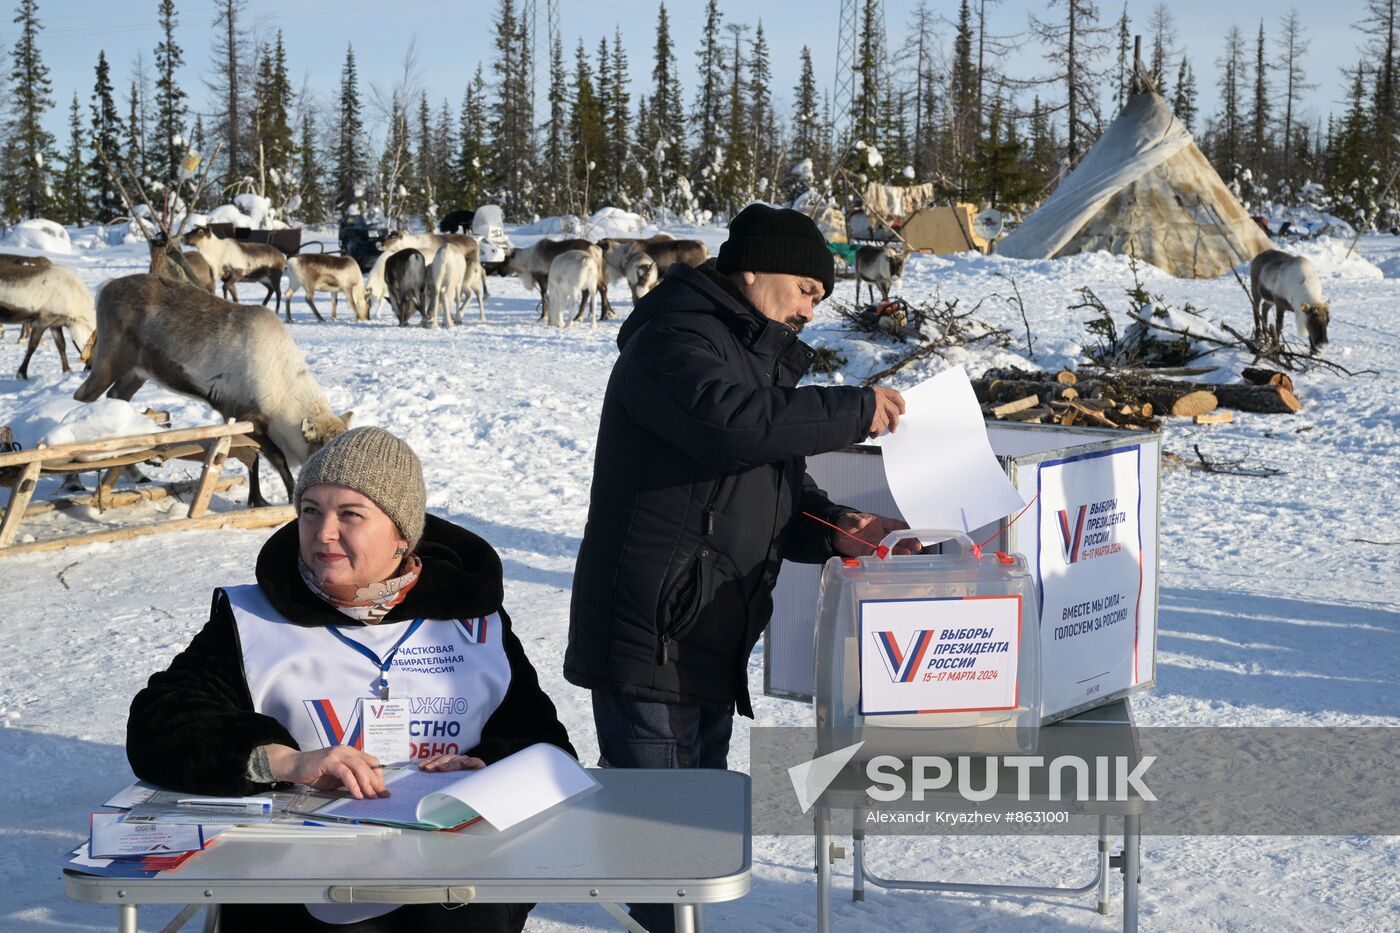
388, 659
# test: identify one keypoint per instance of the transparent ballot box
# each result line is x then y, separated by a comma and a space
935, 653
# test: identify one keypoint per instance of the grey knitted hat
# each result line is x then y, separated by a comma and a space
376, 464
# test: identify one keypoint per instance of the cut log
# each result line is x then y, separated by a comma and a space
1033, 415
1215, 417
1065, 377
1069, 392
1194, 403
1266, 400
1258, 376
1020, 404
1161, 395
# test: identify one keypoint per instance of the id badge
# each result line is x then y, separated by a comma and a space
385, 724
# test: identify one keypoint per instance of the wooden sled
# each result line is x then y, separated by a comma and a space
20, 471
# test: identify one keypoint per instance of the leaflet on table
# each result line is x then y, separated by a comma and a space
143, 867
113, 837
131, 795
504, 794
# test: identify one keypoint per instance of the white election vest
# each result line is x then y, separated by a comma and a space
452, 673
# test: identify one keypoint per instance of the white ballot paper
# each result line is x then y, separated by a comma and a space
939, 464
508, 792
113, 838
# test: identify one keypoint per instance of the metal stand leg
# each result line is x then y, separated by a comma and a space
858, 856
821, 831
1105, 846
685, 918
126, 918
699, 918
1132, 839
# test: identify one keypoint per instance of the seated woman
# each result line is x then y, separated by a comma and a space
363, 596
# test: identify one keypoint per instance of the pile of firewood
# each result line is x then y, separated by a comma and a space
1131, 401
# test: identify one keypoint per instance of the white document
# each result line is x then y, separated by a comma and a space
939, 464
113, 838
503, 794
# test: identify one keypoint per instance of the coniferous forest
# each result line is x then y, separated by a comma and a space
698, 130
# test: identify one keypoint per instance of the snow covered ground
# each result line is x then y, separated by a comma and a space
1272, 611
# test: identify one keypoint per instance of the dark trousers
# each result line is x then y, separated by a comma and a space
414, 918
637, 733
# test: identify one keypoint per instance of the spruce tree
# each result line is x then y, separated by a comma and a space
962, 91
72, 185
1230, 138
314, 206
556, 163
470, 165
169, 145
605, 174
708, 96
511, 117
350, 160
276, 144
586, 134
426, 191
1184, 98
667, 113
105, 135
1260, 119
28, 145
619, 121
806, 119
765, 168
733, 187
1125, 58
1163, 45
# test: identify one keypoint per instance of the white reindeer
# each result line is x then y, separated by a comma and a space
335, 274
1289, 283
448, 271
46, 297
234, 262
574, 274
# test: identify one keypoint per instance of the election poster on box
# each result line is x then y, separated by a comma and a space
939, 655
1090, 569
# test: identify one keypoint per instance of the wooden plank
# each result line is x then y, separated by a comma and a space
21, 491
158, 439
243, 518
213, 466
1215, 417
122, 498
104, 486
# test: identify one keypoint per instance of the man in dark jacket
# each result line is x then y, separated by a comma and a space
699, 490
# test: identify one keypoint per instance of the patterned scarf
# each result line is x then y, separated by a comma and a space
371, 602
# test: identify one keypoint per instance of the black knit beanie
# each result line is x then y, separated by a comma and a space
776, 239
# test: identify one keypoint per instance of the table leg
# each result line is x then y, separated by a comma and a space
126, 918
1105, 847
685, 918
821, 832
1132, 839
858, 854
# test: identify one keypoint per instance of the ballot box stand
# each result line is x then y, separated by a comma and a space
1113, 733
1089, 537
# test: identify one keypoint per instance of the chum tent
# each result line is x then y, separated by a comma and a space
1146, 190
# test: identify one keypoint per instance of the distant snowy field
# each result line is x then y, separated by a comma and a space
1272, 613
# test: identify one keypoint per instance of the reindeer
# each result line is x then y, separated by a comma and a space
454, 278
45, 297
430, 243
233, 262
1289, 283
241, 361
335, 274
406, 284
650, 258
573, 273
532, 264
878, 266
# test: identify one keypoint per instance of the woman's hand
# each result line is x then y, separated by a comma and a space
451, 763
329, 768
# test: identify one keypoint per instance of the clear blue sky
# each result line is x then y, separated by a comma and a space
452, 36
